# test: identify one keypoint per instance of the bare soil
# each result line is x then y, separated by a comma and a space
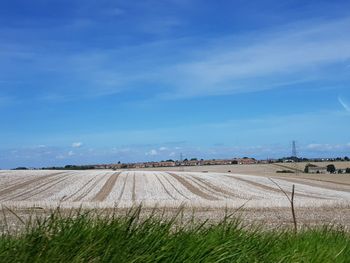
192, 188
106, 188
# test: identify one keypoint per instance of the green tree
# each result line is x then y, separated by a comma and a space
331, 168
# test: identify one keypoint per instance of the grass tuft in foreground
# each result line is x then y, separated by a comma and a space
89, 238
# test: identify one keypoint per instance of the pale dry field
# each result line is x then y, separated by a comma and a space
318, 199
167, 189
269, 170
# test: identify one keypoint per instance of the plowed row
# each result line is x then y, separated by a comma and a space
169, 189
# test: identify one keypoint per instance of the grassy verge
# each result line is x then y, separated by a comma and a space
89, 238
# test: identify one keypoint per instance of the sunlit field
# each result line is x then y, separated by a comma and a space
159, 188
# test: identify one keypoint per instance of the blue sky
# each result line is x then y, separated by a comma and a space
106, 81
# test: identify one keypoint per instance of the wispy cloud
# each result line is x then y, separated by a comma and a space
77, 144
193, 66
152, 152
327, 147
270, 60
345, 104
162, 148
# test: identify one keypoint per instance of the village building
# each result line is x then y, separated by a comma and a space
317, 170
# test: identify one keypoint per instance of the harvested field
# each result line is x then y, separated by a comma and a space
106, 189
269, 170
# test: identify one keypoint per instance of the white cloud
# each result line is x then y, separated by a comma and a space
152, 152
60, 156
40, 146
327, 147
163, 148
77, 144
71, 153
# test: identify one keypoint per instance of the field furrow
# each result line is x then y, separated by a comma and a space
128, 187
318, 183
173, 186
11, 178
192, 188
106, 188
42, 188
204, 187
81, 189
217, 188
90, 188
27, 184
164, 187
123, 188
103, 188
263, 186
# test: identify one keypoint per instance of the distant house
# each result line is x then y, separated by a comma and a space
317, 170
246, 161
167, 164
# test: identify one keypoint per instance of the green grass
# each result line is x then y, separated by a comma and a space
90, 238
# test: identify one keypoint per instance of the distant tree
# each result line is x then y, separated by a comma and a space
21, 168
193, 159
347, 170
185, 160
331, 168
346, 158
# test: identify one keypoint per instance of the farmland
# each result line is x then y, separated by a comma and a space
110, 232
105, 189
